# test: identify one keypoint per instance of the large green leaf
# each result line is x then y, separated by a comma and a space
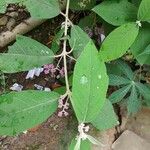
118, 95
43, 9
78, 40
142, 40
85, 145
107, 118
116, 13
144, 11
22, 110
24, 55
118, 42
144, 57
133, 103
90, 83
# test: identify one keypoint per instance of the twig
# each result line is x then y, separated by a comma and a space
64, 53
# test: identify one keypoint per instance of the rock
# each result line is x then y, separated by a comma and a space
130, 141
106, 138
10, 25
3, 20
13, 14
140, 123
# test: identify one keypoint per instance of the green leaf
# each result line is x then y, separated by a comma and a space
82, 4
118, 42
144, 11
133, 103
85, 145
90, 83
142, 40
22, 110
24, 55
144, 57
107, 118
88, 21
118, 95
56, 41
116, 13
125, 69
143, 90
79, 39
42, 9
115, 80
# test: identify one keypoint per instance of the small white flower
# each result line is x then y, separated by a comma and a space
102, 37
82, 129
38, 87
47, 89
34, 72
25, 132
139, 23
16, 87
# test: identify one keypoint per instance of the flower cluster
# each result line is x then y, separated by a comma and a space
64, 105
54, 71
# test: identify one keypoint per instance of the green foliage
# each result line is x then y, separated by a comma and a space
116, 13
133, 102
87, 87
106, 118
142, 40
82, 4
90, 84
43, 9
79, 39
23, 110
144, 11
24, 55
132, 92
144, 57
118, 42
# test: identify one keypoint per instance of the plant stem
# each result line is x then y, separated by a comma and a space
64, 53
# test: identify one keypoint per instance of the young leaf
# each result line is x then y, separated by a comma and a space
107, 118
23, 110
144, 57
115, 80
144, 11
56, 41
116, 13
142, 40
118, 42
90, 83
85, 145
79, 39
133, 103
24, 55
42, 9
118, 95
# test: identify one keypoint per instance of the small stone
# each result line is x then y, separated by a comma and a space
11, 23
13, 14
3, 20
130, 141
